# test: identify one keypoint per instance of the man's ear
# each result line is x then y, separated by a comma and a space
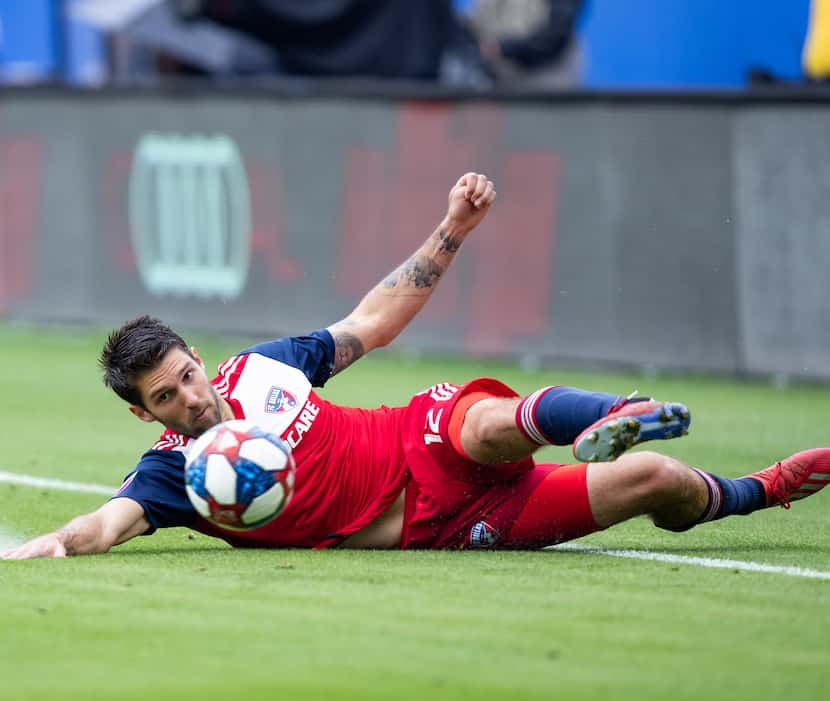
195, 354
142, 414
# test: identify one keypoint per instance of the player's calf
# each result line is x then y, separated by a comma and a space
793, 478
646, 483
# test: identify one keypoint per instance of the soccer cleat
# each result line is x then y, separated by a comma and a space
798, 476
630, 423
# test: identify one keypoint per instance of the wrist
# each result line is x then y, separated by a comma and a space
454, 229
67, 539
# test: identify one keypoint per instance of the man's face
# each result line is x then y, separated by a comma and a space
178, 394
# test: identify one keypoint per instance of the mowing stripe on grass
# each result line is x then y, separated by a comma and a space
30, 481
790, 571
698, 561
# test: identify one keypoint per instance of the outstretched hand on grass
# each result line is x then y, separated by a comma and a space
49, 545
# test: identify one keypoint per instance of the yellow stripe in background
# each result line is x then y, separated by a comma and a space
816, 56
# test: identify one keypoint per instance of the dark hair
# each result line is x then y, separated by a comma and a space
131, 350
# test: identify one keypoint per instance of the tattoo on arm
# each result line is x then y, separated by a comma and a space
347, 349
448, 243
419, 271
423, 270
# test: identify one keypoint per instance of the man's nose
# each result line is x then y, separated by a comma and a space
191, 398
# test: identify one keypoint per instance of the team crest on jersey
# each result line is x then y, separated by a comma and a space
483, 535
279, 400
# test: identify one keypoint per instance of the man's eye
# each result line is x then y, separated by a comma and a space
163, 397
188, 374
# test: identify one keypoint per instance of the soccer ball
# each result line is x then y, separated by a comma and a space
239, 476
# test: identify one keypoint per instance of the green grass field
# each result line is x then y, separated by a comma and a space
181, 616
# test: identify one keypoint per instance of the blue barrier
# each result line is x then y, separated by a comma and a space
687, 43
29, 40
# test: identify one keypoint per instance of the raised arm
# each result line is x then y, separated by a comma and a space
388, 307
115, 522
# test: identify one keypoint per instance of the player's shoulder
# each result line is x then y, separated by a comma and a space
311, 354
287, 345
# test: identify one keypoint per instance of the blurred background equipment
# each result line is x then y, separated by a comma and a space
350, 38
147, 38
546, 44
529, 43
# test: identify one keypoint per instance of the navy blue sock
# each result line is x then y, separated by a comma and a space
732, 497
557, 415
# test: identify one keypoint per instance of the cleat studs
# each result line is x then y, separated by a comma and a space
684, 432
632, 424
612, 425
685, 415
594, 458
593, 437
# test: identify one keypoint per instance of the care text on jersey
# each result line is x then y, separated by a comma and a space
301, 425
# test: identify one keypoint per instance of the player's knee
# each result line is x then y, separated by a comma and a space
483, 429
486, 433
656, 476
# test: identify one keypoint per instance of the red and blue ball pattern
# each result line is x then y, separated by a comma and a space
239, 476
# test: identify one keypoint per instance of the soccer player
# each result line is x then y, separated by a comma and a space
452, 469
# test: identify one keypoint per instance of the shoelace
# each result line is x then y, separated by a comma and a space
625, 400
775, 486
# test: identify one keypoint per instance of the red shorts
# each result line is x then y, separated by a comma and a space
453, 503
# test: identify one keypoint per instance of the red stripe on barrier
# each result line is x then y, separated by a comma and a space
20, 184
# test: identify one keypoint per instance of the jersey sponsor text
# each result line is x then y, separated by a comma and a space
303, 423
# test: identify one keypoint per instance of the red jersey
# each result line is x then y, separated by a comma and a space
350, 462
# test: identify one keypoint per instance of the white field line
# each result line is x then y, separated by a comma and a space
29, 481
790, 571
9, 540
